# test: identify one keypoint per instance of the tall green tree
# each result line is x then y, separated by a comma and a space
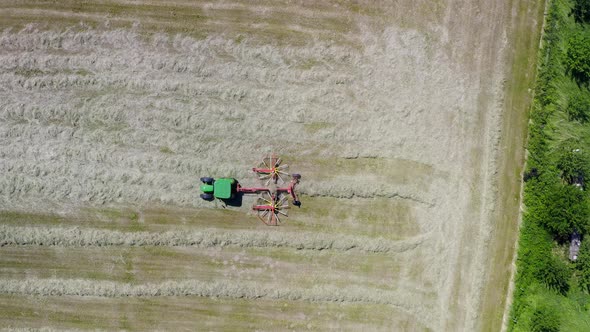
581, 11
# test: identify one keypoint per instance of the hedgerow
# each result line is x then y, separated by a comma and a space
556, 202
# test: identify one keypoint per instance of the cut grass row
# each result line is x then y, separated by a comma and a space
204, 238
213, 289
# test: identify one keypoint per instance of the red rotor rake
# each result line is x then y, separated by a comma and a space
272, 170
269, 207
273, 201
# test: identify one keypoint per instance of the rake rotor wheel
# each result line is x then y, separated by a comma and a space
277, 171
276, 208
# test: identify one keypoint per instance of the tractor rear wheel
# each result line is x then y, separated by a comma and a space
207, 197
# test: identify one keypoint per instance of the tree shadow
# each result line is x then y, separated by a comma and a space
581, 79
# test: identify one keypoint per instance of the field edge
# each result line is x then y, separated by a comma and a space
511, 159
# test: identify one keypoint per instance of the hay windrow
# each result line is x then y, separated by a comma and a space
75, 236
218, 288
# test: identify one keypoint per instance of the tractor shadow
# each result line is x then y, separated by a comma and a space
235, 201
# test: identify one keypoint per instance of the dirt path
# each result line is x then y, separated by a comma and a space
526, 24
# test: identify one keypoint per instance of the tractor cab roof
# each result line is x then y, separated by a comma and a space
224, 188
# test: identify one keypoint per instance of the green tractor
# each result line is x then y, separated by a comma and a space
222, 188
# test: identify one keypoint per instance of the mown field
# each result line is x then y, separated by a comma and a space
397, 116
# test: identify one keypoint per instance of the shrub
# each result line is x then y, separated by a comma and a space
555, 274
579, 108
545, 320
565, 211
572, 162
